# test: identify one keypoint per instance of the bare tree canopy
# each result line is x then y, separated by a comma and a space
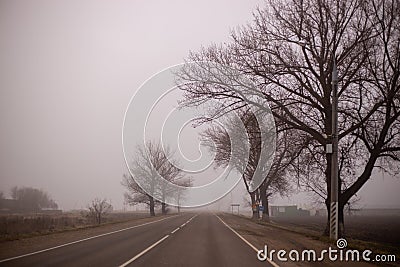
288, 51
98, 209
275, 179
142, 184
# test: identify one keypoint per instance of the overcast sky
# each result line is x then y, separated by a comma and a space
67, 72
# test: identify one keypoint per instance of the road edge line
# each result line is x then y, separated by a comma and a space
143, 252
247, 242
81, 240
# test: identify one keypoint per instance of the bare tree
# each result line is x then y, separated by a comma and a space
150, 176
179, 193
288, 51
380, 134
98, 209
219, 140
136, 195
171, 173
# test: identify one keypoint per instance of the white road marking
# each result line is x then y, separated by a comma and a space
183, 225
188, 221
247, 242
175, 230
144, 252
82, 240
192, 218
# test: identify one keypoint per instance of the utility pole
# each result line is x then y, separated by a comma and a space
334, 167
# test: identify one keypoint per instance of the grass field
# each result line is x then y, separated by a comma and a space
380, 229
23, 225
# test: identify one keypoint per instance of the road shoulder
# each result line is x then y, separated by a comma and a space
278, 238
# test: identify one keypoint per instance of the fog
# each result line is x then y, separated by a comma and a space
68, 70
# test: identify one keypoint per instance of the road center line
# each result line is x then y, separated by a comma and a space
144, 252
183, 225
82, 240
175, 230
192, 218
247, 242
188, 221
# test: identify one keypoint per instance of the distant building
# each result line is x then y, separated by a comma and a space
319, 212
9, 205
287, 211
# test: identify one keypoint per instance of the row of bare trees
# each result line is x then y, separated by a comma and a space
219, 140
288, 53
144, 186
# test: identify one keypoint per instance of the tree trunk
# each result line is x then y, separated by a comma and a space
341, 232
327, 227
266, 209
265, 213
264, 202
152, 213
346, 195
254, 207
163, 208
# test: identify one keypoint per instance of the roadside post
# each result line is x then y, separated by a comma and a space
235, 205
334, 150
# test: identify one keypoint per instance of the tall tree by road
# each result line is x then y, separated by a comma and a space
288, 51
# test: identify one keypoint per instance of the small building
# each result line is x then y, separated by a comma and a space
319, 212
287, 211
9, 206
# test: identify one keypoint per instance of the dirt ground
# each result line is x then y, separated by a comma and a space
16, 226
261, 234
381, 229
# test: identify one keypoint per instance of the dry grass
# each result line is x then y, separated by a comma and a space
19, 226
379, 229
381, 234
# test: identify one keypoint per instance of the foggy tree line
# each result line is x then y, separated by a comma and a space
30, 199
288, 51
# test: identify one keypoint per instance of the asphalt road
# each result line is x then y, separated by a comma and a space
183, 240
